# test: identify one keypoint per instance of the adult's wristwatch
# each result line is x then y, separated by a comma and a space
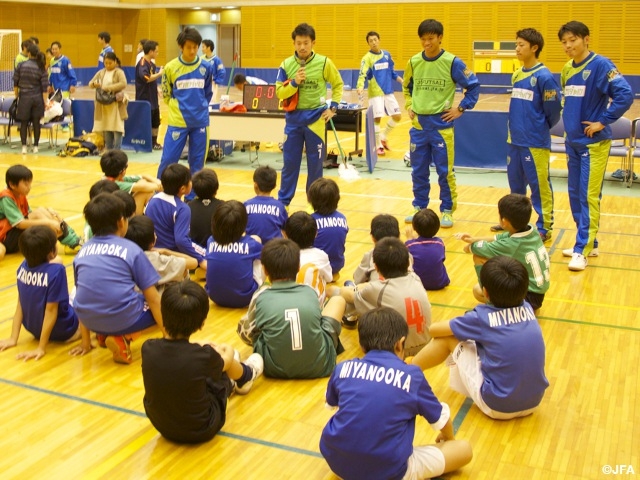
461, 109
334, 109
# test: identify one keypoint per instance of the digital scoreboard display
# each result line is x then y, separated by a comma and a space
261, 98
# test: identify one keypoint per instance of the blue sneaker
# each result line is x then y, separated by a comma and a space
409, 218
447, 219
349, 283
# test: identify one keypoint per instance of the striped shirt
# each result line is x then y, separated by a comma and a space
30, 79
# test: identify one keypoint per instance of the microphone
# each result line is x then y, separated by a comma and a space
303, 63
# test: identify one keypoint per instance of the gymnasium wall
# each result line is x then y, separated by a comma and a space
341, 29
77, 29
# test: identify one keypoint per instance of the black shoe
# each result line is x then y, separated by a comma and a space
350, 322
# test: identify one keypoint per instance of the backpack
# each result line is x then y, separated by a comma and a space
76, 147
13, 112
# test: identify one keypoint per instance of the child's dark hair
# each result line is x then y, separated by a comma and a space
205, 184
103, 212
324, 195
229, 222
106, 36
579, 29
372, 34
103, 186
430, 27
303, 30
174, 177
384, 225
184, 307
129, 202
17, 173
517, 209
265, 177
141, 232
281, 259
149, 46
209, 43
532, 36
239, 78
391, 257
189, 33
36, 244
302, 229
506, 281
380, 329
426, 223
113, 163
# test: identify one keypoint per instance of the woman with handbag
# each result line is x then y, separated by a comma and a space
111, 102
30, 84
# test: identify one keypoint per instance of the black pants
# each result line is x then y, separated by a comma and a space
30, 111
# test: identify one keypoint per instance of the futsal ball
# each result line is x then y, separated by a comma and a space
407, 159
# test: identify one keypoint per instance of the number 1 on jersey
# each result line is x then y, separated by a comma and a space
292, 315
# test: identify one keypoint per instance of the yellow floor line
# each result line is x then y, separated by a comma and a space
124, 453
565, 300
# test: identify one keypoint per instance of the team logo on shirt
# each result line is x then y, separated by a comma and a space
585, 74
550, 95
467, 73
613, 74
202, 70
533, 81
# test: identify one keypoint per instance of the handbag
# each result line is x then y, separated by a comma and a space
103, 97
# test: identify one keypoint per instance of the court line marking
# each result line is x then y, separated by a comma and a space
556, 319
136, 413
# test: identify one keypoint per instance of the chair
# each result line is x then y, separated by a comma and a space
5, 121
621, 135
557, 138
52, 127
634, 151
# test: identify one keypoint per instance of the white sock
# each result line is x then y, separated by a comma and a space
390, 126
376, 129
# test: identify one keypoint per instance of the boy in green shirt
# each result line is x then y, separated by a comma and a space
520, 241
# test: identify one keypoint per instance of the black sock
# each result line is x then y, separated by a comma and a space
247, 375
154, 140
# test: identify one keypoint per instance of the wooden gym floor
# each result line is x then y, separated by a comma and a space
82, 418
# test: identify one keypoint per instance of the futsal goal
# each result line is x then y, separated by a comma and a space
10, 41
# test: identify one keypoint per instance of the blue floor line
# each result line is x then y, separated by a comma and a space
143, 415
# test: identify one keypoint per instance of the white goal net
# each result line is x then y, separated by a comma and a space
10, 41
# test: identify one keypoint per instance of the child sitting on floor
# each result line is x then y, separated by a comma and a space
285, 323
187, 384
43, 295
427, 250
267, 215
371, 433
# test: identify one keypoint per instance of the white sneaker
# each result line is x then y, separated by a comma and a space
578, 262
24, 150
256, 364
568, 252
35, 149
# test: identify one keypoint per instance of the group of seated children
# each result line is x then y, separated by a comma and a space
495, 352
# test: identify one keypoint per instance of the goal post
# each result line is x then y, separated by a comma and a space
10, 41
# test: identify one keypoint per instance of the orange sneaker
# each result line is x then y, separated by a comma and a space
119, 346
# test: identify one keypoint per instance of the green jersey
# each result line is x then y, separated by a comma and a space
286, 327
527, 248
313, 91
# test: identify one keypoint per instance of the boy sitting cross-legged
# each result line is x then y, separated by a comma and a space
378, 399
284, 322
